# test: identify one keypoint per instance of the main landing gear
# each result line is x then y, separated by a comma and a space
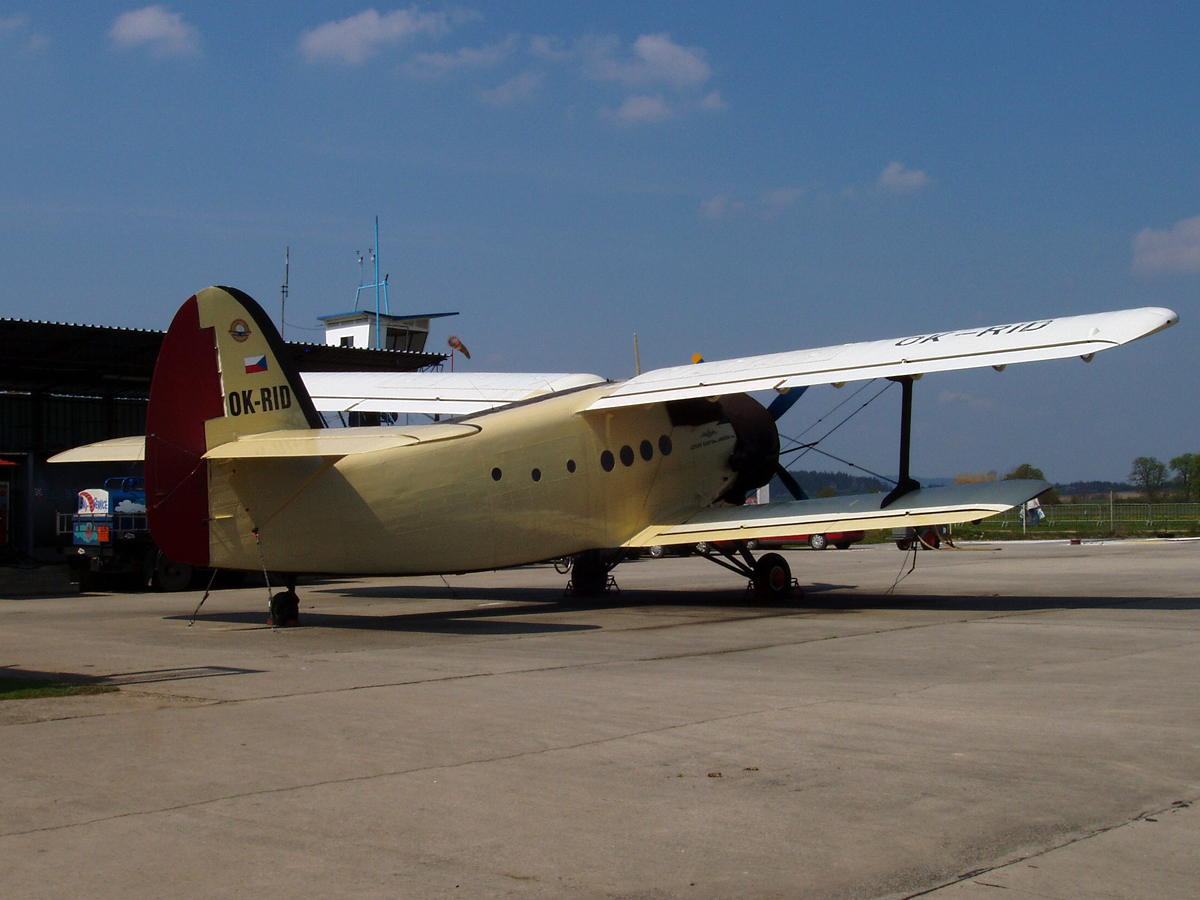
591, 572
770, 575
285, 606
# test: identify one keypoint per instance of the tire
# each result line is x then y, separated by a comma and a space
589, 574
818, 541
170, 576
702, 548
658, 551
772, 578
843, 545
752, 544
285, 610
904, 545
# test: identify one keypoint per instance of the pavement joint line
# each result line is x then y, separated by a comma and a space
667, 657
1173, 806
400, 773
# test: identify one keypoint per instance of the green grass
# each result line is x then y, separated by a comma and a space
25, 688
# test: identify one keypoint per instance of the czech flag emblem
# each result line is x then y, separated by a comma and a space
255, 364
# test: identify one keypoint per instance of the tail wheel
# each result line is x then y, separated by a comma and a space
772, 577
818, 541
843, 545
285, 610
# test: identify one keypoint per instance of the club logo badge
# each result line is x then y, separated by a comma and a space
239, 330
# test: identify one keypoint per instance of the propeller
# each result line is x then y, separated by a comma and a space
789, 482
781, 404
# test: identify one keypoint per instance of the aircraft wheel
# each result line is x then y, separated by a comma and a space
818, 541
170, 576
843, 545
285, 610
589, 574
658, 551
772, 577
904, 544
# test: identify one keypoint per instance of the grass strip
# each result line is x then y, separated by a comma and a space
24, 688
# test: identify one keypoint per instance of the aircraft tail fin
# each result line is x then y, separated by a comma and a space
223, 372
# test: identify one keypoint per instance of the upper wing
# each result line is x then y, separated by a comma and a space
916, 355
124, 449
444, 393
927, 506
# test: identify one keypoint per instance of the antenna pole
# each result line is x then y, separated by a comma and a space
377, 282
283, 290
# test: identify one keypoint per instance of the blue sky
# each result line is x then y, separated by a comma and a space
722, 178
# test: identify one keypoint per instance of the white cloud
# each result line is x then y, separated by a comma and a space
1174, 249
641, 108
163, 34
713, 101
716, 207
655, 59
356, 39
437, 65
519, 89
18, 27
783, 197
897, 179
549, 47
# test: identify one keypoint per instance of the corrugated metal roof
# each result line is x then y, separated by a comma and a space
102, 361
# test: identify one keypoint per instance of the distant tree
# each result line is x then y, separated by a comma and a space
1029, 471
827, 491
1150, 475
1187, 476
974, 477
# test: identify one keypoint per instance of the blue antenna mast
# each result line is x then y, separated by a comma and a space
377, 285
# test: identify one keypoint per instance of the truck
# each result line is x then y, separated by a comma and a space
110, 538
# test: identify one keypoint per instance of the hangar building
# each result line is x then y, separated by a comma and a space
64, 385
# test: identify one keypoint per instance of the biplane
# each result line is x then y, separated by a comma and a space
242, 473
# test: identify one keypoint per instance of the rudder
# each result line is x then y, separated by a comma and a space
223, 371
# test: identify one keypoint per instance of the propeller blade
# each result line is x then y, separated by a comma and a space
785, 401
789, 482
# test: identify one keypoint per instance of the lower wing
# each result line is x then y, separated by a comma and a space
927, 506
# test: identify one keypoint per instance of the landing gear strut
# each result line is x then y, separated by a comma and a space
285, 606
769, 575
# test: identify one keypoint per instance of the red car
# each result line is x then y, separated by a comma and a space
840, 539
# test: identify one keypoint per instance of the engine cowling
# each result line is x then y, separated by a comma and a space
755, 455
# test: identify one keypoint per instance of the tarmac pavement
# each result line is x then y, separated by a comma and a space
1018, 722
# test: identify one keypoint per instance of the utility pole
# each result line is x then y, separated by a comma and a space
283, 291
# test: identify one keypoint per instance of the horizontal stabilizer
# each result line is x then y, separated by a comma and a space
970, 348
927, 506
335, 442
126, 449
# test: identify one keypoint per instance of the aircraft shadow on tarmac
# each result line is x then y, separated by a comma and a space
149, 676
514, 603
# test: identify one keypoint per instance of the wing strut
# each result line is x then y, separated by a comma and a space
905, 484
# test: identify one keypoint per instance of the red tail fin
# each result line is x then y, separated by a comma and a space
221, 359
